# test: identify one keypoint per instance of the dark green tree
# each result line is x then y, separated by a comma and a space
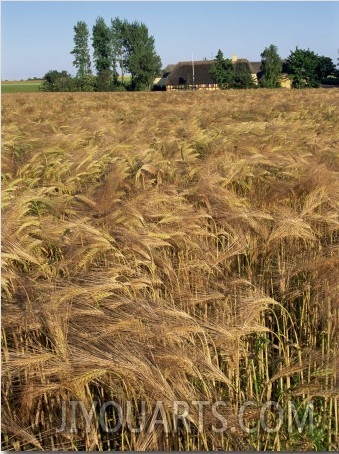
118, 49
141, 59
271, 66
303, 66
325, 68
86, 83
102, 47
58, 81
82, 59
242, 76
222, 71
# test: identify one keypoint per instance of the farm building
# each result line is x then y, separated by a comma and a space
196, 75
191, 75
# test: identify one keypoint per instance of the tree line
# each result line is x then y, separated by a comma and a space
124, 45
127, 48
304, 67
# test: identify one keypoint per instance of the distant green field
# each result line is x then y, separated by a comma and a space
20, 86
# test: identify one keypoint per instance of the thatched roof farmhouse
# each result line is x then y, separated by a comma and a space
188, 74
196, 74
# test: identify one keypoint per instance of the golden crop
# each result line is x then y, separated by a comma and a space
169, 247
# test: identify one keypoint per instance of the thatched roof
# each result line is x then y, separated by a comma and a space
166, 71
243, 64
255, 67
162, 81
182, 73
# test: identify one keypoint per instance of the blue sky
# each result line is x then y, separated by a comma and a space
38, 36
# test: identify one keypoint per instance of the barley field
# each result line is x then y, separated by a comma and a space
164, 250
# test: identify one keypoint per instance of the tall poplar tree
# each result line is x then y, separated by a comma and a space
82, 59
271, 65
102, 47
118, 49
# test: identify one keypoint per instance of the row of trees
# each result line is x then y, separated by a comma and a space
304, 67
127, 47
124, 45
